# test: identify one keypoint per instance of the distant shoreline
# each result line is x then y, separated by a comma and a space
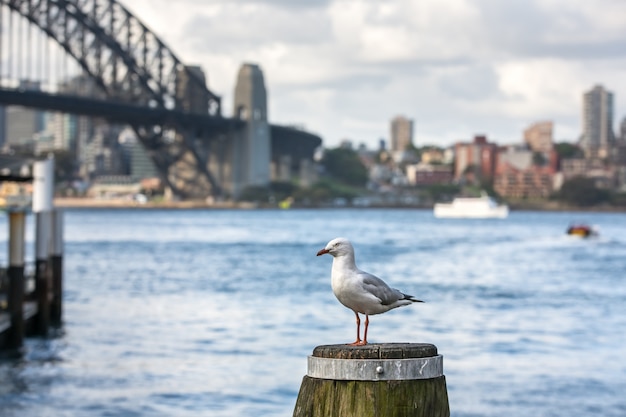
94, 203
68, 202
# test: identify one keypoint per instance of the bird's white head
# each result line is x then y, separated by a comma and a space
337, 247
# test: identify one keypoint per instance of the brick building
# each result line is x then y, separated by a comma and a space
475, 160
427, 174
518, 175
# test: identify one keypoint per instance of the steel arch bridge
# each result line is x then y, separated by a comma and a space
139, 78
117, 51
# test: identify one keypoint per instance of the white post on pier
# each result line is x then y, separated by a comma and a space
43, 194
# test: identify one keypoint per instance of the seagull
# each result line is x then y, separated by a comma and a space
358, 290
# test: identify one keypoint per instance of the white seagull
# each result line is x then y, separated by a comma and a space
358, 290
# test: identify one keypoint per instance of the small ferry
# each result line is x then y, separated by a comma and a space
483, 207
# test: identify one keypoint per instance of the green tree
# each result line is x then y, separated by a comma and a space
275, 191
567, 150
618, 199
442, 192
344, 165
282, 189
539, 159
582, 192
325, 190
255, 193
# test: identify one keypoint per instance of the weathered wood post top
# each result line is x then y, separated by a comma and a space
376, 362
391, 380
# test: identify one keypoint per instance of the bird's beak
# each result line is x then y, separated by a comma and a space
323, 251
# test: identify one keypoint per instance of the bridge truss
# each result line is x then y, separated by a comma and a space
130, 65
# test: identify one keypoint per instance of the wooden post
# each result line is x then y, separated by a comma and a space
42, 273
376, 380
43, 189
15, 273
56, 264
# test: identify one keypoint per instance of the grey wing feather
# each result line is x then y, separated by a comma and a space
380, 289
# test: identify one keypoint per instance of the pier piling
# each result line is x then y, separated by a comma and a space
43, 192
26, 314
15, 272
390, 380
56, 268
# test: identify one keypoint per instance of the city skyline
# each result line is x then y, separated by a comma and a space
343, 69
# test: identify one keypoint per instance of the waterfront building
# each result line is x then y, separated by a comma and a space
401, 134
518, 174
619, 157
538, 137
573, 167
622, 130
102, 155
62, 128
605, 175
192, 99
433, 155
598, 138
475, 160
83, 129
140, 164
428, 174
3, 126
535, 182
23, 123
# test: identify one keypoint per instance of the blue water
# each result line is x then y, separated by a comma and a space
212, 313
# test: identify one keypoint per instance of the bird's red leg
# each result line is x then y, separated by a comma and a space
367, 323
358, 330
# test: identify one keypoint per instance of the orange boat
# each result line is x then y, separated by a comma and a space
581, 230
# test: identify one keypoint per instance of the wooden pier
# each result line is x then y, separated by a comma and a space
30, 305
29, 313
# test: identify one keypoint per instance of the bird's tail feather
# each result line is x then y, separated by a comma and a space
411, 298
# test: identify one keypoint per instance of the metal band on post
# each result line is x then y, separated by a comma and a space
375, 369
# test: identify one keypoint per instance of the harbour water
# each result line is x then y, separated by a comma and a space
213, 312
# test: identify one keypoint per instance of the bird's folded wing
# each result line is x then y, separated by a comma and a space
380, 289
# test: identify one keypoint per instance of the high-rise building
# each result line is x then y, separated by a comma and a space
192, 99
598, 138
620, 156
63, 127
78, 131
538, 137
401, 133
136, 157
23, 123
3, 125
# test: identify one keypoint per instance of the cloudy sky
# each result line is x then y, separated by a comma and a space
344, 68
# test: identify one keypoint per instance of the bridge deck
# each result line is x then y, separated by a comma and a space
115, 111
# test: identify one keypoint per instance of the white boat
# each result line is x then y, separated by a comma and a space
482, 207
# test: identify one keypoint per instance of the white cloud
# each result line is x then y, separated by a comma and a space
344, 68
